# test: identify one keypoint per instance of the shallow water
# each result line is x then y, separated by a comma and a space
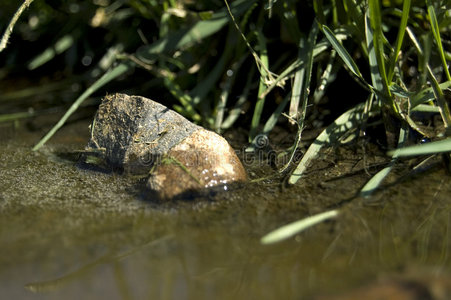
71, 233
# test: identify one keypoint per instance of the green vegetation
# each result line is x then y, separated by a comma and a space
256, 63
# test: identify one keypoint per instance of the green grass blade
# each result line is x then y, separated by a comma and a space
320, 47
351, 119
195, 33
427, 94
237, 108
328, 75
425, 108
301, 85
319, 11
60, 46
175, 41
296, 227
107, 77
297, 85
376, 79
377, 179
440, 97
17, 116
205, 85
223, 97
269, 125
301, 88
378, 41
262, 86
342, 51
399, 38
423, 53
423, 149
187, 108
436, 33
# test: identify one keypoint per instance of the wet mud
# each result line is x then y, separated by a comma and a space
67, 231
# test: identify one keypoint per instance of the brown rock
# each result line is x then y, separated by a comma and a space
202, 160
138, 135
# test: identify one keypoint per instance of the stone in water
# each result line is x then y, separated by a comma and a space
140, 136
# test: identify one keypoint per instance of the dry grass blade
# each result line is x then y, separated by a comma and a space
9, 29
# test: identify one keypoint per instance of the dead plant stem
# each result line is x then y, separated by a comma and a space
11, 24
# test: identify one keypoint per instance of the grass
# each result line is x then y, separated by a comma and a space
254, 65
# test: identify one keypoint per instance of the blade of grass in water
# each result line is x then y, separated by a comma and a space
296, 227
329, 136
107, 77
377, 179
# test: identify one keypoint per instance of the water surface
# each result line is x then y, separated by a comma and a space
71, 233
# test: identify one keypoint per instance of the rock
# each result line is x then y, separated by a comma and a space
131, 132
202, 160
139, 136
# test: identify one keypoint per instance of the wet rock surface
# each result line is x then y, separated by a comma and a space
203, 160
140, 136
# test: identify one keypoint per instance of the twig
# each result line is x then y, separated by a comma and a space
10, 27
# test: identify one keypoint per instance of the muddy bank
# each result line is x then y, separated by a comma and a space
67, 231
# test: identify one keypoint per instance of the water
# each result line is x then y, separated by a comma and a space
71, 233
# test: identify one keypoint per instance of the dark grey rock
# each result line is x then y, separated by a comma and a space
132, 132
